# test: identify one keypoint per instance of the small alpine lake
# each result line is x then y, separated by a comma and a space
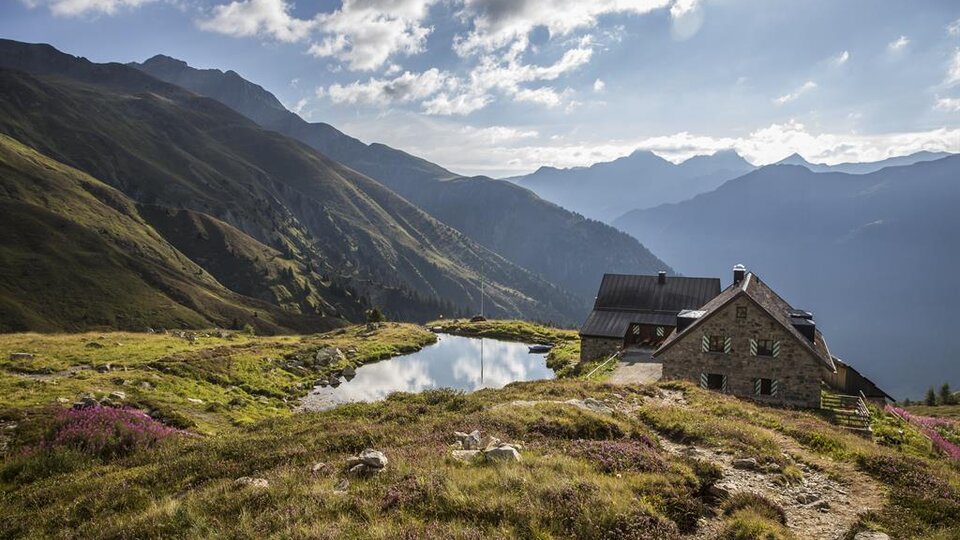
460, 363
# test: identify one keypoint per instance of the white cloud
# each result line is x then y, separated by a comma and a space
498, 134
365, 33
261, 18
498, 23
442, 93
954, 28
792, 96
403, 88
947, 104
599, 86
842, 58
73, 8
899, 43
953, 71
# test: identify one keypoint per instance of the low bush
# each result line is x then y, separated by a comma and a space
755, 503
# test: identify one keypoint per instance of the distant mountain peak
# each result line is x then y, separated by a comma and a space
162, 59
794, 159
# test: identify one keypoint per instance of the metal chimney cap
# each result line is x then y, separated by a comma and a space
740, 267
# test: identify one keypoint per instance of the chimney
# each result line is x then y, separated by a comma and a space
739, 272
661, 277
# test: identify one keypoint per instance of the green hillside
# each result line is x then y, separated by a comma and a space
165, 147
666, 461
77, 255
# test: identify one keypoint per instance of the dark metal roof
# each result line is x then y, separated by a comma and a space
614, 324
626, 292
625, 299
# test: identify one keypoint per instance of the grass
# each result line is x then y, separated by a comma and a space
208, 382
583, 474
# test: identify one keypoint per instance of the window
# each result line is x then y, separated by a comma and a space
741, 312
718, 344
715, 381
765, 347
765, 387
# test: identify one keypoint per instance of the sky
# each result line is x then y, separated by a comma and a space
502, 87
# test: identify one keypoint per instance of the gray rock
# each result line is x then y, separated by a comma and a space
259, 483
118, 395
104, 368
502, 453
373, 458
468, 441
871, 535
21, 356
807, 498
465, 455
321, 468
719, 491
341, 486
590, 404
748, 464
349, 372
353, 461
195, 400
488, 441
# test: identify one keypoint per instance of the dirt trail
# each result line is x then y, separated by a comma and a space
825, 504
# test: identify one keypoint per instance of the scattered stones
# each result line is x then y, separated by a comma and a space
104, 368
747, 464
118, 395
259, 483
470, 446
468, 441
807, 498
62, 400
489, 441
195, 400
21, 356
328, 355
719, 491
86, 402
321, 468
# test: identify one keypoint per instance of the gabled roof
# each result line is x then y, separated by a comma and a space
628, 292
766, 299
624, 299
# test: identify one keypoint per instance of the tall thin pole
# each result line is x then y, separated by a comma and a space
481, 295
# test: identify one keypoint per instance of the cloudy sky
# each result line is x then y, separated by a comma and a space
502, 87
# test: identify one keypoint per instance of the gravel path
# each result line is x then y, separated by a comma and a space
636, 367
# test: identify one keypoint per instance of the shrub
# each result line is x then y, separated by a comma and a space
757, 504
619, 456
748, 525
104, 432
639, 525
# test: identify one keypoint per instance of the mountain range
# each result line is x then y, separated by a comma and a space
561, 246
239, 224
873, 255
605, 191
862, 167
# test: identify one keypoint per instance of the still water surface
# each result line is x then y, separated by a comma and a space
453, 362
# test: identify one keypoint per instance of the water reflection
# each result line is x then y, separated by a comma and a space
453, 362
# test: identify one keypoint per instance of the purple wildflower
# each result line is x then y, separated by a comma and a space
106, 432
933, 428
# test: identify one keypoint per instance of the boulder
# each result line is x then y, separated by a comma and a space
488, 441
471, 441
195, 400
373, 458
259, 483
871, 535
21, 356
504, 452
465, 455
719, 491
748, 464
118, 395
349, 372
328, 355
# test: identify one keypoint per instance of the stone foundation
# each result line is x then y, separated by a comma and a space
595, 348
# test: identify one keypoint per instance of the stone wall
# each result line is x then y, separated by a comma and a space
795, 368
593, 348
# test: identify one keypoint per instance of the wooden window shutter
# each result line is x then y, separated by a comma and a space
727, 345
774, 387
753, 347
706, 343
703, 380
660, 331
723, 387
756, 386
776, 349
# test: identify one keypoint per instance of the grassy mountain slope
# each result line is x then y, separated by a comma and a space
871, 255
659, 463
76, 255
562, 246
163, 146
